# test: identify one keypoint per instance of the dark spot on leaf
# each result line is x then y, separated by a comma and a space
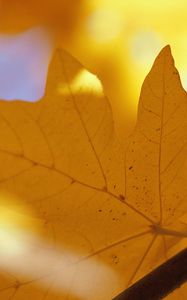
122, 197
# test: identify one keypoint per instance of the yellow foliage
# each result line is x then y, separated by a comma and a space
103, 214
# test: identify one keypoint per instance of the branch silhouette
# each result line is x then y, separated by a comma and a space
160, 282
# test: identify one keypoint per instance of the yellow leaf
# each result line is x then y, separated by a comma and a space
82, 217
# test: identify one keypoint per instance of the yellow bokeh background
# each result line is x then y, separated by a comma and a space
117, 40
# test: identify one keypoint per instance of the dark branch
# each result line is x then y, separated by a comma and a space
160, 282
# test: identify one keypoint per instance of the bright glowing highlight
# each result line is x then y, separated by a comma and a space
84, 81
88, 80
105, 25
24, 254
145, 46
11, 243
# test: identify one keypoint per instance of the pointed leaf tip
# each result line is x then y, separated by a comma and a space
164, 61
167, 48
166, 52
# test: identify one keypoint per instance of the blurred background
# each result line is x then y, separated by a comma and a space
117, 40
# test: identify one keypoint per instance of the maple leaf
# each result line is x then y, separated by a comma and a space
105, 214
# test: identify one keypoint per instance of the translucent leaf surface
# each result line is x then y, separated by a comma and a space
82, 217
